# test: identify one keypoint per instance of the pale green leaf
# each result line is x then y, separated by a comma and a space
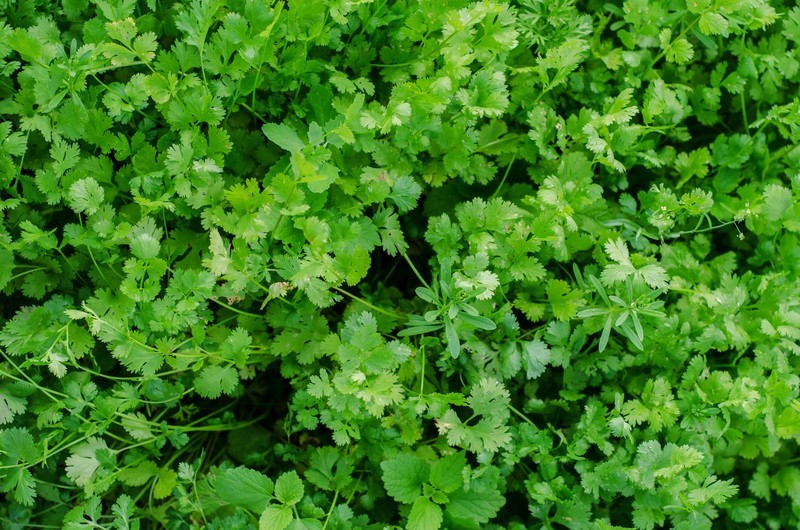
289, 488
424, 515
275, 518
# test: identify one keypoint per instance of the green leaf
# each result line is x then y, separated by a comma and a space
405, 193
617, 251
489, 400
606, 334
330, 469
18, 445
777, 202
653, 275
289, 488
477, 321
12, 403
244, 487
166, 480
563, 300
6, 267
215, 380
713, 24
742, 510
84, 461
787, 424
478, 504
283, 136
20, 481
138, 475
427, 295
403, 477
275, 518
424, 515
680, 51
123, 510
447, 472
535, 357
453, 342
145, 239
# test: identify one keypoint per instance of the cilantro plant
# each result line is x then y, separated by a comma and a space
371, 264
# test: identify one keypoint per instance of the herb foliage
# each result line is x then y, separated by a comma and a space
339, 264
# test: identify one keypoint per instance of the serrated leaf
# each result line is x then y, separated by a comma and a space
6, 267
20, 482
18, 445
84, 460
244, 487
138, 426
478, 504
86, 196
617, 250
787, 423
405, 193
275, 518
424, 515
680, 51
536, 355
564, 300
713, 24
447, 472
289, 488
330, 469
214, 380
138, 475
123, 510
777, 201
403, 477
166, 480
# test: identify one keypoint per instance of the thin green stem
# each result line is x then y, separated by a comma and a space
505, 176
422, 374
416, 272
253, 112
521, 415
21, 274
744, 113
330, 511
362, 301
235, 310
499, 141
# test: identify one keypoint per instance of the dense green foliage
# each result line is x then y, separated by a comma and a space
334, 264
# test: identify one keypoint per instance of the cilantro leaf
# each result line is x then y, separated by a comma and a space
84, 462
86, 195
215, 380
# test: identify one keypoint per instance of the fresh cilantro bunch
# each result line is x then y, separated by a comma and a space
337, 264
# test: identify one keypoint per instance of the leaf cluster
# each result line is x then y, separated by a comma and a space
370, 264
